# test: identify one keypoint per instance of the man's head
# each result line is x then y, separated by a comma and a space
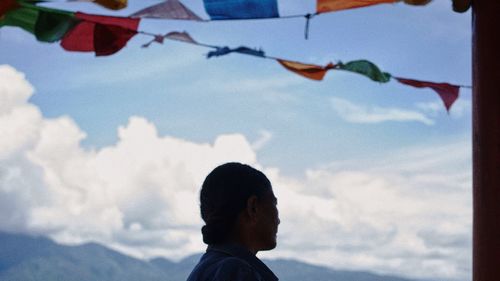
238, 205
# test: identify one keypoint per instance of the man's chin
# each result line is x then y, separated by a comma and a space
271, 245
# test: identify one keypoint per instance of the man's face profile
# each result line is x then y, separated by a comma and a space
268, 221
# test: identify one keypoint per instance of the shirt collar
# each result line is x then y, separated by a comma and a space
243, 253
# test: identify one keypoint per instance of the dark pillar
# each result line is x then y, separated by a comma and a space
486, 139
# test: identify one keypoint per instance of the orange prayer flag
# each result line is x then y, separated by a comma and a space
323, 6
311, 71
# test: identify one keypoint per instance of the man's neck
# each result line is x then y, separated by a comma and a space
245, 244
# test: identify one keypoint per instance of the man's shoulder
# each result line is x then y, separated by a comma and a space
223, 268
234, 268
234, 262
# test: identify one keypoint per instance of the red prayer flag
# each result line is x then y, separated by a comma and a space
447, 92
80, 38
311, 71
124, 22
323, 6
6, 6
109, 39
103, 35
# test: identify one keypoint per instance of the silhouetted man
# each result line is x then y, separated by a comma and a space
238, 206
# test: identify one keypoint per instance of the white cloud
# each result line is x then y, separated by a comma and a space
141, 191
460, 108
408, 214
369, 115
264, 138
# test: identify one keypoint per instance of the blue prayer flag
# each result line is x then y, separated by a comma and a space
221, 51
241, 9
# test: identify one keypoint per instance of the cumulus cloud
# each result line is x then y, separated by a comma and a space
459, 109
409, 213
264, 138
139, 194
363, 114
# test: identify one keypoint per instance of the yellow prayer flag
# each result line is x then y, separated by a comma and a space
112, 4
323, 6
417, 2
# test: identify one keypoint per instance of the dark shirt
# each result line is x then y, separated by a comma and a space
230, 262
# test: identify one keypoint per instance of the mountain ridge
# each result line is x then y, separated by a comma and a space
29, 258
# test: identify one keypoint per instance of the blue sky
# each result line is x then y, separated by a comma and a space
344, 125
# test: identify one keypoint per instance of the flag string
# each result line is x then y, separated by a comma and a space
106, 35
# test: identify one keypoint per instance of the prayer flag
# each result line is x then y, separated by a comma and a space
323, 6
249, 51
48, 25
447, 92
6, 6
367, 69
103, 35
170, 9
52, 26
112, 4
124, 22
158, 38
417, 2
221, 51
109, 39
180, 36
241, 9
310, 71
80, 38
174, 35
23, 17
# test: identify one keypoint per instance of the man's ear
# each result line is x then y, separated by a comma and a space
252, 206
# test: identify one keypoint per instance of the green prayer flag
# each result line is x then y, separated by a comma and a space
48, 25
367, 69
22, 17
51, 27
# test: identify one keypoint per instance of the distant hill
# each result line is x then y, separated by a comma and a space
26, 258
